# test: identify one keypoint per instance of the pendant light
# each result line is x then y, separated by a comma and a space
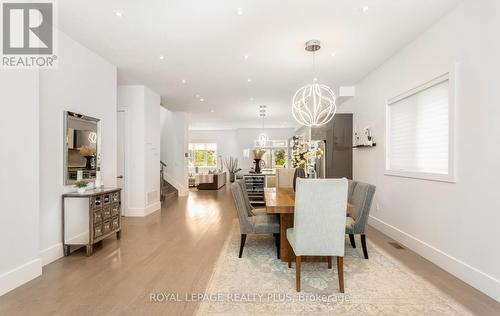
263, 137
314, 104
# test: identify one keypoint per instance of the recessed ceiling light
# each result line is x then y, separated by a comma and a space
162, 57
333, 54
183, 81
239, 11
251, 99
118, 13
249, 80
202, 100
197, 96
246, 57
212, 111
365, 8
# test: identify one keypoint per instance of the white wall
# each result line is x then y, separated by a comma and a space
19, 227
84, 83
455, 225
174, 140
142, 173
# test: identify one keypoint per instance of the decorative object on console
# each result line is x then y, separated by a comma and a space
98, 179
232, 167
314, 104
81, 186
258, 153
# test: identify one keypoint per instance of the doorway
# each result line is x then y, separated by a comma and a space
121, 146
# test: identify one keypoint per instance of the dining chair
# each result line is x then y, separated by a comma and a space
360, 196
257, 224
252, 211
284, 177
319, 223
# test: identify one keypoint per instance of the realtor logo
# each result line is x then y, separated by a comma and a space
28, 34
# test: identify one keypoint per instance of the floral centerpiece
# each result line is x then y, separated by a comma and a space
303, 157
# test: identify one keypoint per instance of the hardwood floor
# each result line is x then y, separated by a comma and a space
174, 251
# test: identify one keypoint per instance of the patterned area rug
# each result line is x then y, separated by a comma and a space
260, 284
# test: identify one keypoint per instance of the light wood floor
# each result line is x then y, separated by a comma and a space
173, 251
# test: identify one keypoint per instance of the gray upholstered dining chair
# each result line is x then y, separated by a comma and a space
257, 224
360, 196
319, 223
252, 211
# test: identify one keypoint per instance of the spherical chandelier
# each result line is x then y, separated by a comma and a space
314, 105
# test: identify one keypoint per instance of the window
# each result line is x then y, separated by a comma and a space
274, 157
276, 152
420, 133
202, 155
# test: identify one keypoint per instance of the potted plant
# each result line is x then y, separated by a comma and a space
81, 186
232, 167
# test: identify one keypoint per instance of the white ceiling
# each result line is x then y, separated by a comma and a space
204, 42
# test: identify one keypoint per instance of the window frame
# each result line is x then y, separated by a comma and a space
205, 146
450, 176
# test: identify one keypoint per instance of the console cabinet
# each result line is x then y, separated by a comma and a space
90, 217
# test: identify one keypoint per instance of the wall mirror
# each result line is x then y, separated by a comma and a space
82, 141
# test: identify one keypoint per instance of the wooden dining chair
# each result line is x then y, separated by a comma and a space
319, 223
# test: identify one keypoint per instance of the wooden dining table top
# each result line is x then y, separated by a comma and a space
282, 201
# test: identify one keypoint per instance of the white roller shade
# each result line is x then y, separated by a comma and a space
418, 130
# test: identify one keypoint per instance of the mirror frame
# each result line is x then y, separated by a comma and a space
68, 114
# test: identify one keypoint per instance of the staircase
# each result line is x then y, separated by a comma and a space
167, 190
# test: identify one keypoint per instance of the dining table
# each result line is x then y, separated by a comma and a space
281, 201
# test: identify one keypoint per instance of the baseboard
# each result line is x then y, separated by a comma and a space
152, 208
470, 275
143, 211
51, 254
20, 275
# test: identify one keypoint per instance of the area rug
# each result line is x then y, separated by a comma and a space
260, 284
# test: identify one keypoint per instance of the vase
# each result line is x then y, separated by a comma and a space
257, 165
231, 177
299, 173
88, 164
313, 174
81, 190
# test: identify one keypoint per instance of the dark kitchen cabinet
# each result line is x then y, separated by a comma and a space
338, 135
